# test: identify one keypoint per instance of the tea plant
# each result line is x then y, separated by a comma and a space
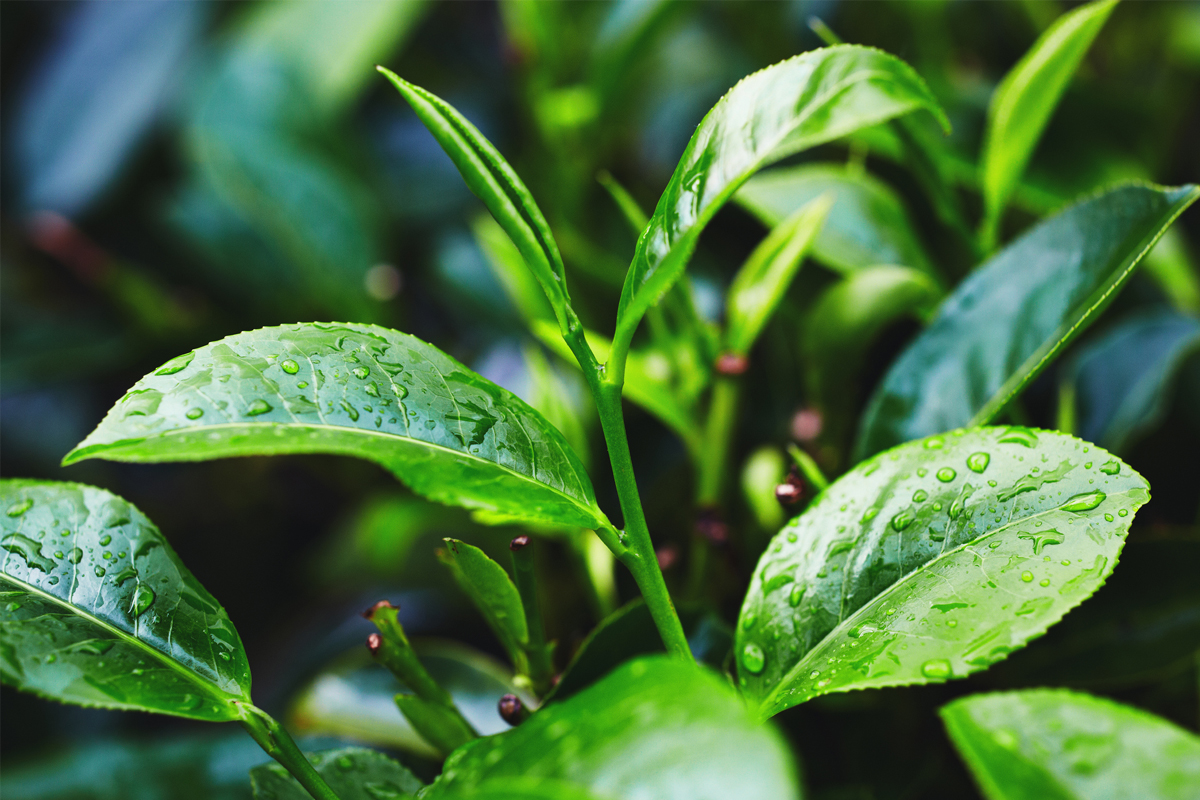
950, 544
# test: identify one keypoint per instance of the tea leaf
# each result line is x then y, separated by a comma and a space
1025, 99
356, 390
493, 593
1004, 324
354, 773
796, 104
654, 727
97, 610
932, 561
1052, 743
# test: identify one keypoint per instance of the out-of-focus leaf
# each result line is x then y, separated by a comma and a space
493, 593
521, 788
509, 268
1005, 323
99, 611
765, 469
354, 697
867, 224
763, 279
624, 34
794, 105
1050, 743
1123, 380
566, 406
689, 736
358, 390
353, 773
932, 561
1170, 265
1025, 100
103, 82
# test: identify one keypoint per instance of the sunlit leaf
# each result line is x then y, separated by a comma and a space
932, 561
356, 390
353, 773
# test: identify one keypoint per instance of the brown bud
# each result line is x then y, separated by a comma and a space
512, 710
519, 542
370, 612
788, 494
667, 555
732, 364
374, 642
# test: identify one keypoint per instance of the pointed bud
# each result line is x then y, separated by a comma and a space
370, 612
512, 710
519, 542
374, 642
791, 490
732, 364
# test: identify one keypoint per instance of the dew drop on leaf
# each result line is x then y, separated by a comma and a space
143, 598
753, 658
257, 407
361, 372
902, 520
75, 556
946, 474
1027, 576
17, 509
100, 571
1084, 502
177, 364
936, 668
1111, 467
289, 366
978, 462
194, 413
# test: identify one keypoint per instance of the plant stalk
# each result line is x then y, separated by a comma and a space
272, 738
541, 664
718, 434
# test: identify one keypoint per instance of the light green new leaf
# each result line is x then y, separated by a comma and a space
932, 561
496, 183
1052, 744
353, 773
356, 390
796, 104
1005, 323
97, 610
1024, 101
508, 266
762, 281
654, 727
867, 225
493, 593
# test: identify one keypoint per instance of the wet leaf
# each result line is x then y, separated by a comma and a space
1003, 325
655, 727
353, 773
1048, 743
355, 390
97, 610
786, 108
931, 561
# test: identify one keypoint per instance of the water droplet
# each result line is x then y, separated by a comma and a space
816, 673
1084, 502
400, 390
100, 571
360, 372
1017, 434
1041, 539
1111, 467
350, 410
143, 598
1027, 576
302, 384
345, 763
257, 407
105, 540
753, 658
28, 549
902, 520
1044, 582
177, 364
978, 462
1005, 739
13, 606
75, 556
17, 509
749, 620
935, 443
936, 668
920, 496
951, 623
194, 413
946, 474
1124, 512
870, 514
796, 595
1108, 517
372, 389
289, 366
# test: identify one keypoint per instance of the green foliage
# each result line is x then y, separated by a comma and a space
355, 773
493, 593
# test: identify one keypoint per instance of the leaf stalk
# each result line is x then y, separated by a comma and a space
278, 744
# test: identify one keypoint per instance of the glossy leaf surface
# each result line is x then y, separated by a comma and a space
1061, 745
353, 773
932, 561
1123, 380
786, 108
1005, 323
655, 727
355, 390
99, 611
1028, 95
867, 224
762, 281
492, 592
491, 178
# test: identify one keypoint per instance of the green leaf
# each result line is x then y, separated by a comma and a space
932, 561
867, 225
1005, 323
524, 789
762, 281
655, 727
355, 390
796, 104
508, 266
353, 773
99, 611
493, 593
1058, 745
1023, 102
496, 183
1123, 380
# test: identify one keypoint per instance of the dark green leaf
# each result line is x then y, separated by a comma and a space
655, 727
493, 593
354, 390
1003, 325
1047, 744
491, 178
932, 561
794, 105
353, 773
866, 226
1025, 99
764, 278
99, 611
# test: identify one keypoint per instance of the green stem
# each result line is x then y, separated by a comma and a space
718, 434
541, 665
272, 738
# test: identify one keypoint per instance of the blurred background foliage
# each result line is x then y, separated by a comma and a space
174, 172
